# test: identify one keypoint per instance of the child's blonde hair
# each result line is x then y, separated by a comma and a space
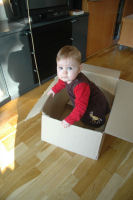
69, 52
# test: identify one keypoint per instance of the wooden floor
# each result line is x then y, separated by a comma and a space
32, 169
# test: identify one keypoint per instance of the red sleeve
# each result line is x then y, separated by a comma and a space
58, 86
82, 94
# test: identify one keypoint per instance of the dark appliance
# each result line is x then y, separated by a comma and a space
39, 9
48, 39
37, 4
43, 10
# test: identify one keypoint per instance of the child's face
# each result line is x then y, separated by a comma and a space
68, 69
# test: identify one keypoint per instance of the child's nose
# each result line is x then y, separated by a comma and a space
64, 71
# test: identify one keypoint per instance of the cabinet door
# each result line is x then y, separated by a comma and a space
4, 95
79, 34
101, 26
48, 39
16, 63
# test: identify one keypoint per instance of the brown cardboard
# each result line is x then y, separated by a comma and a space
121, 117
78, 138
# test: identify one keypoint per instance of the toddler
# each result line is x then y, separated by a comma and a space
89, 103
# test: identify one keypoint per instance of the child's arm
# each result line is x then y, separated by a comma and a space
51, 92
65, 124
56, 88
82, 94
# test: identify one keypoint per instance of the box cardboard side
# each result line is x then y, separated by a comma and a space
120, 121
54, 107
78, 140
101, 70
38, 107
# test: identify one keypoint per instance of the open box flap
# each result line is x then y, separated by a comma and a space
120, 122
40, 103
101, 70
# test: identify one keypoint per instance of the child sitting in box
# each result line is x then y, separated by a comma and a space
90, 104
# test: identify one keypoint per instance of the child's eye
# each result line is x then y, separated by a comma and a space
60, 68
69, 68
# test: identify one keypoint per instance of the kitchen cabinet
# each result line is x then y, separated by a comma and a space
101, 24
79, 33
15, 60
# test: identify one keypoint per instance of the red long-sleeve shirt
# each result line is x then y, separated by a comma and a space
82, 94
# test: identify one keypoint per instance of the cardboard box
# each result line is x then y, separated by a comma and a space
81, 139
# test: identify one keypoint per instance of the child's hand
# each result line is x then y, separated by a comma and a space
51, 92
65, 124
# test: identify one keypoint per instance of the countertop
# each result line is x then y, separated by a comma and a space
7, 28
10, 27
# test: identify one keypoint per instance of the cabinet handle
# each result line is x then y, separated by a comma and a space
72, 39
74, 20
26, 33
33, 52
